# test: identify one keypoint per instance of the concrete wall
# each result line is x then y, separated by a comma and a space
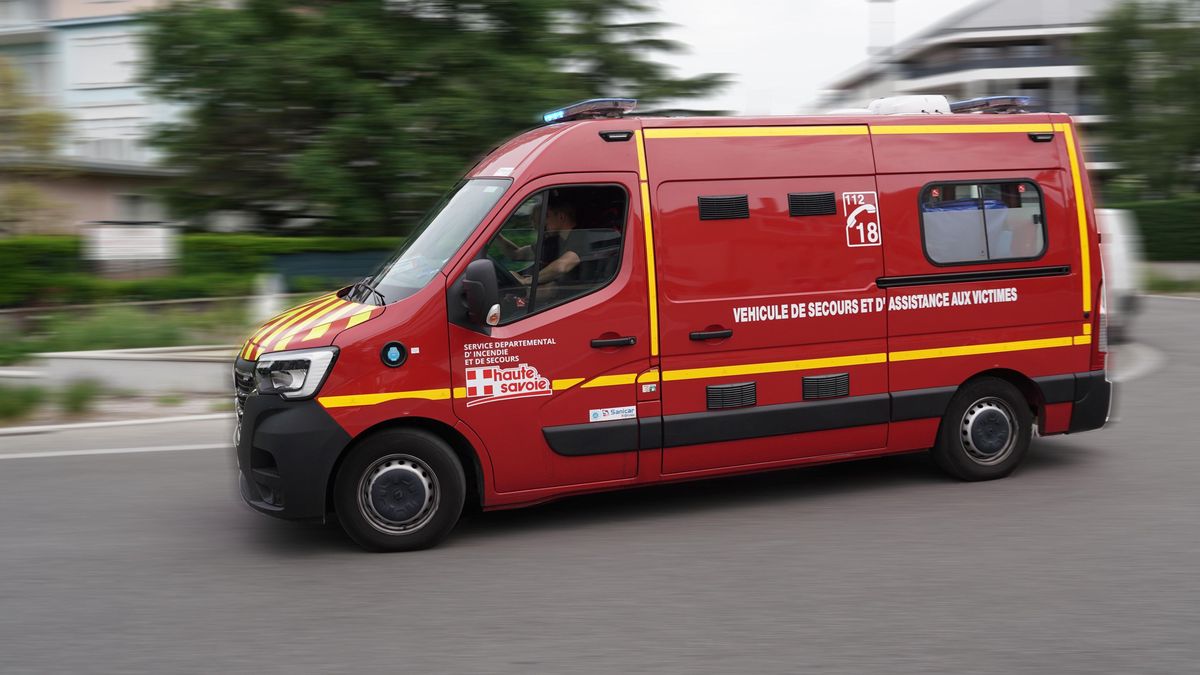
82, 9
74, 199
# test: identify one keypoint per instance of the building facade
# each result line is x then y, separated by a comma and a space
82, 58
991, 48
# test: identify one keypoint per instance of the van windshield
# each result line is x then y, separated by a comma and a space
439, 236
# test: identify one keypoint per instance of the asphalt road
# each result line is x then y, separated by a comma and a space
1085, 561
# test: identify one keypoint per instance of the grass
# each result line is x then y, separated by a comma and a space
170, 399
79, 397
1156, 283
124, 328
20, 401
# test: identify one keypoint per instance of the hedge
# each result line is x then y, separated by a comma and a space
49, 270
1170, 228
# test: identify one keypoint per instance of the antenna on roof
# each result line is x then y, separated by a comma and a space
992, 104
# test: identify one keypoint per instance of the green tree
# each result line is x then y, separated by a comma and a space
366, 110
28, 137
1145, 62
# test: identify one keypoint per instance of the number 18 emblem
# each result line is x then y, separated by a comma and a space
861, 210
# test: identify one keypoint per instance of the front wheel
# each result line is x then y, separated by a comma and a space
986, 431
399, 490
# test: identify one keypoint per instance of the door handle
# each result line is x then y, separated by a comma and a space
626, 341
701, 335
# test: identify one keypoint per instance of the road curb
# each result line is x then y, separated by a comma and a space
51, 428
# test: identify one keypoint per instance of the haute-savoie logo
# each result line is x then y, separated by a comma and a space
488, 384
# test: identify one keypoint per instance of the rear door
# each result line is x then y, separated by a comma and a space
773, 336
551, 389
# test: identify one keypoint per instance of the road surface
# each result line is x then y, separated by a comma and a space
1085, 561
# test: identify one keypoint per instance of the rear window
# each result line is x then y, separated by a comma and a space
994, 221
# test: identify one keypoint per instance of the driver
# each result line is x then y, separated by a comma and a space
562, 245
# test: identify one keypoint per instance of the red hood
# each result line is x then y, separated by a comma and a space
313, 324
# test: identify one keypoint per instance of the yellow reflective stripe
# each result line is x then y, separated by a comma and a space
567, 383
460, 392
358, 318
270, 325
1083, 339
282, 344
312, 311
317, 332
374, 399
744, 132
610, 380
903, 129
647, 226
1085, 253
1087, 329
989, 348
772, 367
648, 376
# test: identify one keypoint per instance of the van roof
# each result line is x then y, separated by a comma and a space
556, 148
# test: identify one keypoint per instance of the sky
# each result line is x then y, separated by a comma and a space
781, 53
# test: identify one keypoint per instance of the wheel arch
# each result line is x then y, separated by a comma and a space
466, 453
1030, 391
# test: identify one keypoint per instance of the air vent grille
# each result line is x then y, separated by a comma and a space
811, 204
724, 208
732, 395
826, 386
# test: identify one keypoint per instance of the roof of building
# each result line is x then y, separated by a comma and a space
987, 16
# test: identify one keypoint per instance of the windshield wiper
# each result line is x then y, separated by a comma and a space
363, 286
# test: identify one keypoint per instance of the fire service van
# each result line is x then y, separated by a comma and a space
608, 301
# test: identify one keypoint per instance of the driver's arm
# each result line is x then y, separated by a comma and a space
564, 264
513, 251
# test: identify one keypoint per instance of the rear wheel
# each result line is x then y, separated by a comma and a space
986, 431
399, 490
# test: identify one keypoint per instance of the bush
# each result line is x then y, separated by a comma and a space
1170, 228
18, 402
80, 396
48, 270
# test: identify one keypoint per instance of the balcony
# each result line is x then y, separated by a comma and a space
22, 21
912, 72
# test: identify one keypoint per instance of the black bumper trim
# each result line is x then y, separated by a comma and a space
286, 452
1093, 399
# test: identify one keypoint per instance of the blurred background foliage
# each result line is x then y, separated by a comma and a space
1145, 62
28, 136
362, 112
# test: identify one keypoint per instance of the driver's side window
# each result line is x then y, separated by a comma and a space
558, 245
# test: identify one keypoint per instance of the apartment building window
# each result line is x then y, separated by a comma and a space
104, 61
1032, 51
16, 12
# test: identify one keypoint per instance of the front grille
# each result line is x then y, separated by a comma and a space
243, 383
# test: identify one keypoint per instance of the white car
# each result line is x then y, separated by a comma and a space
1121, 249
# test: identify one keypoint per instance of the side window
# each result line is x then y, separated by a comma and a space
994, 221
558, 245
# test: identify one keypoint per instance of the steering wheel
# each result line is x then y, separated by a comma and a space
506, 277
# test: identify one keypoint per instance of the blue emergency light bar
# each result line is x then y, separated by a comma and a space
991, 104
593, 107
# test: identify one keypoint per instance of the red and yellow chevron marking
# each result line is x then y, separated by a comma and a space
307, 323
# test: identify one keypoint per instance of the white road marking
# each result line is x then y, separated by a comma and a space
114, 451
50, 428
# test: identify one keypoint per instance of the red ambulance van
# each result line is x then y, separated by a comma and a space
610, 301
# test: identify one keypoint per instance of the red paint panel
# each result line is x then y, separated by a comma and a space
1056, 418
914, 153
731, 159
913, 434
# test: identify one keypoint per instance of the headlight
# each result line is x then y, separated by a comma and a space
295, 374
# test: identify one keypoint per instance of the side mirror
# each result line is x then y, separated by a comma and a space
481, 294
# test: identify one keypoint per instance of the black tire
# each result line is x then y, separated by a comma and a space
986, 431
399, 490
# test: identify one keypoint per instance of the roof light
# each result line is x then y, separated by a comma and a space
992, 104
594, 107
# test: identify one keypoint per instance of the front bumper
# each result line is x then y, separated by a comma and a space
286, 451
